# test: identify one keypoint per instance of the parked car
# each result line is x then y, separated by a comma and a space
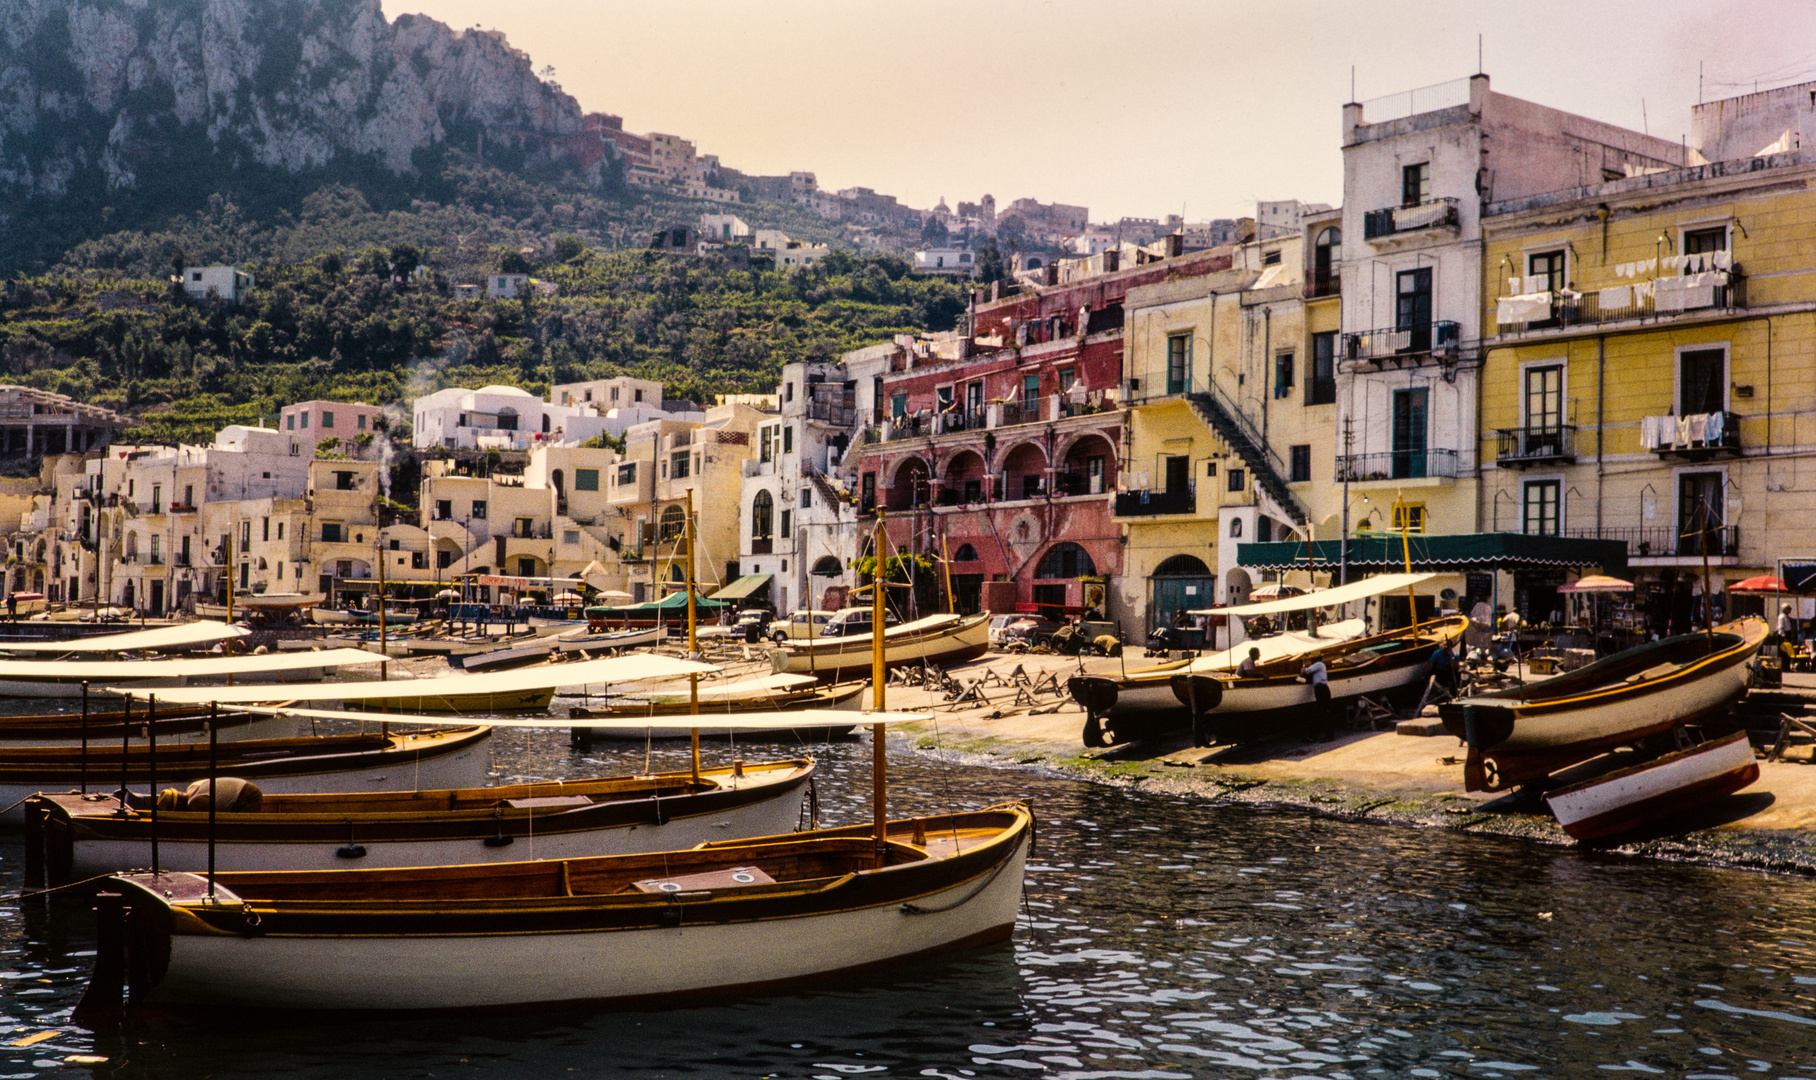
1026, 629
799, 624
854, 621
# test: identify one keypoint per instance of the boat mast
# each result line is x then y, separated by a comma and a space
693, 639
946, 572
1412, 604
879, 762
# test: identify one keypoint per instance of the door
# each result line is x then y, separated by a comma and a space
1179, 473
157, 598
1699, 514
1412, 311
1409, 434
1173, 594
1544, 411
1702, 382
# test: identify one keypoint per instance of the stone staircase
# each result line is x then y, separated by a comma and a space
1256, 457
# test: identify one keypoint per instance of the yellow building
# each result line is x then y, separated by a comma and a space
1231, 392
1648, 371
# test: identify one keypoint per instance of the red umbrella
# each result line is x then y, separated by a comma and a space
1763, 585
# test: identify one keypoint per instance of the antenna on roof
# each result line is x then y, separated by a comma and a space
1478, 54
1352, 82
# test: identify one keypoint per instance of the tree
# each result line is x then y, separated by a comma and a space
569, 247
513, 262
934, 232
405, 258
990, 266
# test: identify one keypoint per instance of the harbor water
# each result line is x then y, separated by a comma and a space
1160, 938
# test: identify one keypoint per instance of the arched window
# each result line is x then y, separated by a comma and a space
965, 553
1235, 528
507, 419
1182, 566
762, 516
1327, 255
673, 521
827, 566
1066, 560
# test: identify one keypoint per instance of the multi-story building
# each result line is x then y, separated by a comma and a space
38, 422
1647, 361
501, 418
319, 420
1418, 169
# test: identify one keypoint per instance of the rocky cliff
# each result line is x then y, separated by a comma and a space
115, 101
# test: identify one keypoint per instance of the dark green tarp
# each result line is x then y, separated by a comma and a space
667, 605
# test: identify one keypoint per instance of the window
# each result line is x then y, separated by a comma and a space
806, 498
788, 438
1702, 381
1327, 255
1704, 241
766, 442
343, 481
1030, 393
246, 535
1409, 517
1540, 503
1179, 362
188, 494
305, 424
586, 479
637, 395
327, 418
898, 405
525, 528
867, 491
1547, 271
1235, 528
331, 532
1302, 463
479, 510
362, 422
1545, 397
526, 567
788, 389
1699, 514
1236, 478
965, 553
674, 520
290, 422
787, 522
444, 509
1415, 184
1177, 469
265, 530
1409, 422
1321, 386
762, 510
1283, 375
1065, 560
1067, 377
627, 474
419, 560
678, 463
1270, 258
280, 530
444, 559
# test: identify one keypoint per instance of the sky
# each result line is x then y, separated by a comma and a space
1138, 108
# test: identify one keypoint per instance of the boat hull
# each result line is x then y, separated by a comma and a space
932, 641
106, 729
766, 800
1645, 794
502, 701
1514, 741
618, 948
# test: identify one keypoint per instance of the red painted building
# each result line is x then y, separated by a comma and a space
1001, 453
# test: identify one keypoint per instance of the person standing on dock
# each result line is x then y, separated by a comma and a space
1319, 677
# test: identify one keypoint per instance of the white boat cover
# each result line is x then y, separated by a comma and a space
163, 637
1342, 594
633, 668
926, 624
760, 721
102, 672
1280, 646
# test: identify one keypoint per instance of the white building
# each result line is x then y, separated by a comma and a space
724, 227
506, 286
217, 282
498, 418
951, 261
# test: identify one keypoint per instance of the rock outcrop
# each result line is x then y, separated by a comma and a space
95, 95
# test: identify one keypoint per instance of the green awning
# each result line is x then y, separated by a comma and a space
1470, 551
743, 588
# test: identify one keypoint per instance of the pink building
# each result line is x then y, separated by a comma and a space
325, 419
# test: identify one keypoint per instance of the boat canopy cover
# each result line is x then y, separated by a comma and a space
633, 668
1279, 646
164, 637
742, 588
674, 602
1342, 594
1439, 552
101, 672
757, 721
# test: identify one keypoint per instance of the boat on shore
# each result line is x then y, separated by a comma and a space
1277, 701
771, 693
322, 616
449, 757
1645, 794
272, 605
941, 640
81, 836
734, 916
643, 638
1523, 734
1140, 703
180, 637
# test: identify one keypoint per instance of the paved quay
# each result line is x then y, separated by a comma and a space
1380, 776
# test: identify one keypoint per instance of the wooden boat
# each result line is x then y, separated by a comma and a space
937, 639
616, 639
322, 616
508, 656
771, 694
736, 916
1644, 794
549, 626
451, 757
1141, 703
261, 605
82, 836
110, 726
1277, 701
480, 692
64, 678
1526, 733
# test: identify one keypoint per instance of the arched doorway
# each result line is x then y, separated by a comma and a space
1090, 466
965, 477
910, 487
1179, 583
1025, 472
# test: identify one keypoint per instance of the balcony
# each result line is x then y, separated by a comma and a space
1397, 465
1436, 215
1520, 447
1324, 283
1662, 545
182, 508
1698, 435
838, 414
1662, 298
1395, 344
1151, 503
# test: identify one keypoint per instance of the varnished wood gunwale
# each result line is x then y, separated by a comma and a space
180, 763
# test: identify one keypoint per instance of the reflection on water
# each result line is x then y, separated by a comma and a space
1161, 938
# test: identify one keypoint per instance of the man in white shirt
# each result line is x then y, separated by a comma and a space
1318, 676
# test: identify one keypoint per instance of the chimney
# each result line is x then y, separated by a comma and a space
1050, 274
1175, 245
1112, 259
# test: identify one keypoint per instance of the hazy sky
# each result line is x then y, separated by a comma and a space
1138, 107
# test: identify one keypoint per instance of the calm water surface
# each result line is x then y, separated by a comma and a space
1161, 938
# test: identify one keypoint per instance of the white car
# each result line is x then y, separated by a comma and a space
799, 624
